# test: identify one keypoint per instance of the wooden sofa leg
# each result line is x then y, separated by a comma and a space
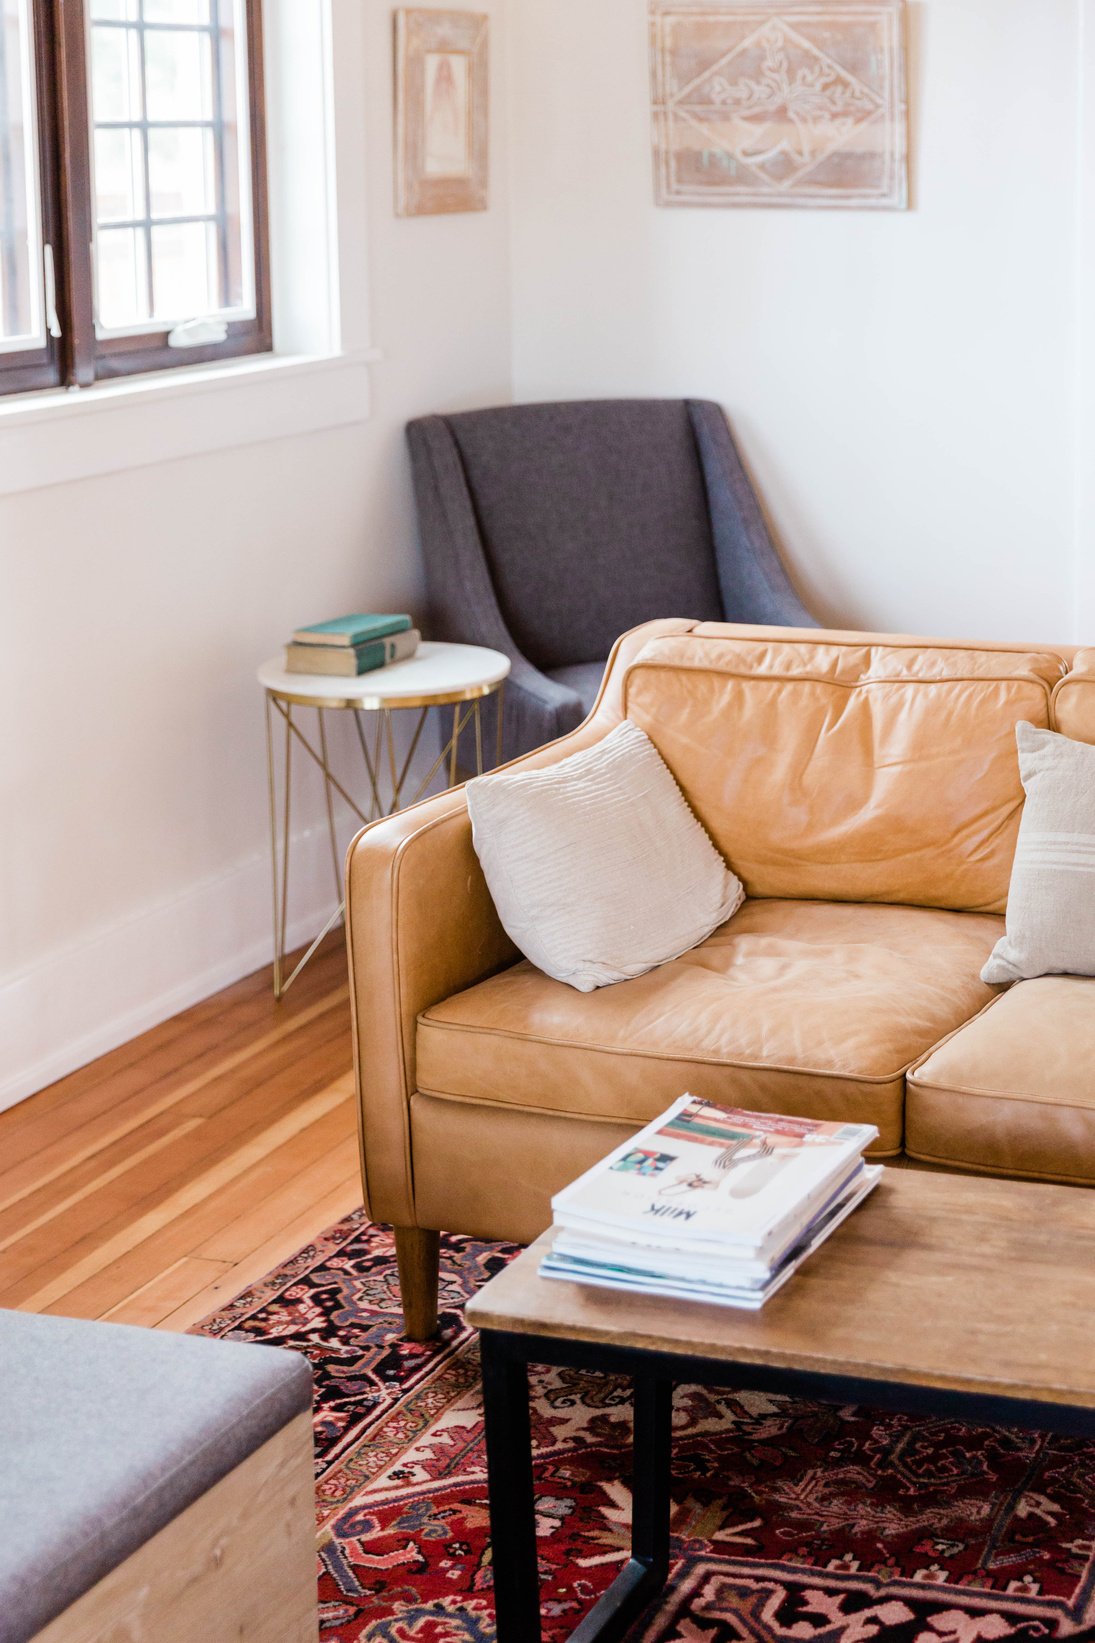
416, 1252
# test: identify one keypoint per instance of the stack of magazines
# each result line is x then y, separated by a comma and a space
710, 1204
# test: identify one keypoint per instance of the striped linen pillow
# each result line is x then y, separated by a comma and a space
597, 867
1051, 904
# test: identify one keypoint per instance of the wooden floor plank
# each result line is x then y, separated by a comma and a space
111, 1262
23, 1171
165, 1293
249, 1231
47, 1205
187, 1231
338, 1202
155, 1182
211, 1140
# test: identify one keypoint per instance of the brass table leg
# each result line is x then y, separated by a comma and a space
380, 804
272, 796
332, 835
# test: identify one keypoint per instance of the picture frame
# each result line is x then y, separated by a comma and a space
442, 112
779, 103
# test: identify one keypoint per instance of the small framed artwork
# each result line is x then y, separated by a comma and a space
781, 102
441, 112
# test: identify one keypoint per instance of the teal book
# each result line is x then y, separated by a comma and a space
351, 630
347, 661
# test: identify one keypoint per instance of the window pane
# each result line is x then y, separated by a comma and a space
176, 11
119, 174
175, 167
122, 276
179, 66
123, 11
181, 171
20, 233
184, 269
116, 73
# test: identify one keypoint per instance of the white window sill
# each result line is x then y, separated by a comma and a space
51, 438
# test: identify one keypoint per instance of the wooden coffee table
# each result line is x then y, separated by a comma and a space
943, 1294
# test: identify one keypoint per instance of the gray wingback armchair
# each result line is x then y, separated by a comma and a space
549, 530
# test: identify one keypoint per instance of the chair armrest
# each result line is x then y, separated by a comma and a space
463, 606
420, 926
537, 710
753, 582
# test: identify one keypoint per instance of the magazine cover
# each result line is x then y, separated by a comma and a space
718, 1176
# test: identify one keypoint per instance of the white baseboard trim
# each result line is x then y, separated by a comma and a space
88, 998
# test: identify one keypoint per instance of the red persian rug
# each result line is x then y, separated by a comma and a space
793, 1522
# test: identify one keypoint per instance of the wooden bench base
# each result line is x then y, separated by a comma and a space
239, 1563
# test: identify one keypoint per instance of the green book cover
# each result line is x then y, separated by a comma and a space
351, 630
348, 661
370, 656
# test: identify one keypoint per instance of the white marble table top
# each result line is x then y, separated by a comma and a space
434, 675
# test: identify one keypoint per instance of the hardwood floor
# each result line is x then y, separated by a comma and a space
160, 1180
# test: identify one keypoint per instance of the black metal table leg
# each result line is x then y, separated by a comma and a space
512, 1505
653, 1464
645, 1573
513, 1510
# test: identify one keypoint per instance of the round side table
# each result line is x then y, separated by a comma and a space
436, 676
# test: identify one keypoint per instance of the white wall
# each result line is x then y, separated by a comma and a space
902, 383
134, 875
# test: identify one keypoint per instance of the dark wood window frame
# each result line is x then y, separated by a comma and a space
79, 357
28, 369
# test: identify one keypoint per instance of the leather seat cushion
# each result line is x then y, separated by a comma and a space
1012, 1092
816, 1008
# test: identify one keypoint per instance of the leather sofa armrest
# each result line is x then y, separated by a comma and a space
420, 926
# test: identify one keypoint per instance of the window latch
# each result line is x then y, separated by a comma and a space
53, 324
195, 333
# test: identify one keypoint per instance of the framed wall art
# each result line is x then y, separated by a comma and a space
441, 112
776, 103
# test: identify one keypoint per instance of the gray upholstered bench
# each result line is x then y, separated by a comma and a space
152, 1486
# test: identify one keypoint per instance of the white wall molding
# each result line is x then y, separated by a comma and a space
119, 982
55, 438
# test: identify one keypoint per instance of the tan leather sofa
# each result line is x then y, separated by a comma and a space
865, 788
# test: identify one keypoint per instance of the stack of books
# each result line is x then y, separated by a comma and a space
710, 1204
349, 645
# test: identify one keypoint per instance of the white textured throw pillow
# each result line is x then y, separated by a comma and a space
1051, 902
598, 868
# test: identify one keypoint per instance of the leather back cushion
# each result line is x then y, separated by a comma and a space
846, 772
594, 518
1074, 700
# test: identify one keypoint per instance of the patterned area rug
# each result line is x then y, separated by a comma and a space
793, 1522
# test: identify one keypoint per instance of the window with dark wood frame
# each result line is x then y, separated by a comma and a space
133, 196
